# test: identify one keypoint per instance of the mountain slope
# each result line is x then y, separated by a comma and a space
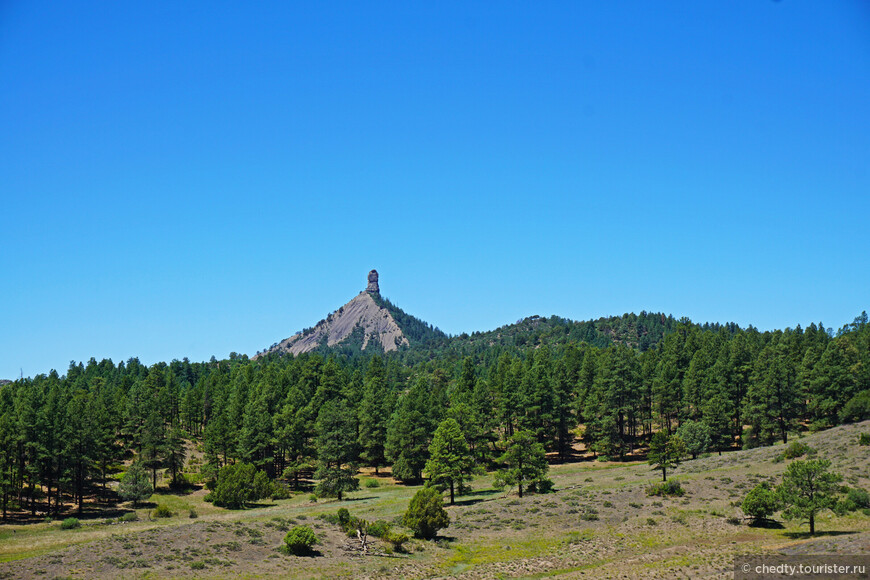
368, 322
361, 321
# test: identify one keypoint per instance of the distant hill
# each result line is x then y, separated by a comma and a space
370, 323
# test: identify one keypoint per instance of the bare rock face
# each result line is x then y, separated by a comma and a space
373, 288
363, 313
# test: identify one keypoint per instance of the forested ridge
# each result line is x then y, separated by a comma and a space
317, 417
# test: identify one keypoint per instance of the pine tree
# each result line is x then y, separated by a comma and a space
807, 488
134, 486
374, 414
450, 461
336, 450
526, 462
175, 454
665, 452
408, 434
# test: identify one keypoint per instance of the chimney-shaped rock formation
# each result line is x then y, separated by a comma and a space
373, 288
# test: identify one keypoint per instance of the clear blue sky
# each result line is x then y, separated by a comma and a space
195, 178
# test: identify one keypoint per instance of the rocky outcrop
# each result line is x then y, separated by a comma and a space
373, 288
362, 316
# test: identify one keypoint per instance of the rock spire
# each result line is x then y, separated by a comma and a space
373, 288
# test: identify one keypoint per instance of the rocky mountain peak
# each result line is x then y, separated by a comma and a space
364, 319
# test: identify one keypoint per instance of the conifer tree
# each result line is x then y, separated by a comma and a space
374, 414
807, 488
526, 462
337, 452
408, 433
450, 461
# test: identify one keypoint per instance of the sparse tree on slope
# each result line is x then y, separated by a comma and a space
666, 452
807, 488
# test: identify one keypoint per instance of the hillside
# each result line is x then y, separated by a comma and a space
597, 523
372, 324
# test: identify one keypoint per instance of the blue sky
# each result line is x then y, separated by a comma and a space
191, 179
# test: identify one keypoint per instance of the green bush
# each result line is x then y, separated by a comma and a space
162, 511
129, 517
760, 503
426, 514
193, 513
666, 488
198, 565
397, 541
299, 540
857, 408
70, 524
864, 439
796, 449
859, 497
372, 483
281, 491
379, 529
238, 485
343, 517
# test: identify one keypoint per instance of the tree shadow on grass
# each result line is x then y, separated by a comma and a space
178, 491
260, 505
476, 497
310, 553
767, 524
807, 535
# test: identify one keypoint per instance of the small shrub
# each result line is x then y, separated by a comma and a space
608, 504
651, 522
859, 497
193, 513
379, 529
198, 565
796, 449
589, 514
129, 517
733, 520
864, 439
426, 514
312, 498
635, 505
666, 488
760, 503
70, 524
397, 541
343, 517
281, 491
162, 511
300, 540
372, 483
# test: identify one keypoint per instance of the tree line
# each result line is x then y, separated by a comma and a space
323, 416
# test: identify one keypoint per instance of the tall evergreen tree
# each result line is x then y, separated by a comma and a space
337, 451
450, 461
